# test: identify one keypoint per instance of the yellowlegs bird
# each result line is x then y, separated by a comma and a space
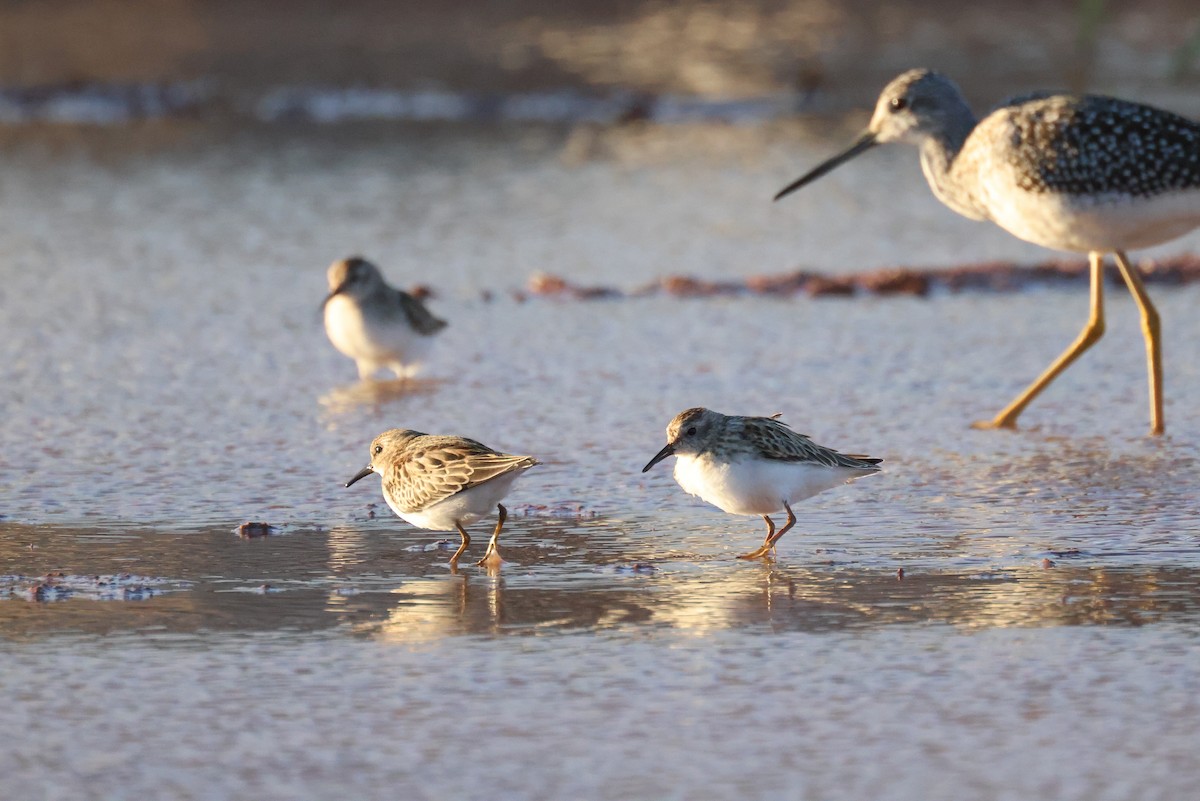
375, 324
1085, 174
753, 466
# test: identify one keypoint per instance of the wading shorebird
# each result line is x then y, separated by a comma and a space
1079, 173
376, 325
753, 466
443, 483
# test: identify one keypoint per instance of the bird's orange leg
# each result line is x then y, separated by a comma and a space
772, 535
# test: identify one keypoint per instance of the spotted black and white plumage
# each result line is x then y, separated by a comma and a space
1086, 174
1094, 145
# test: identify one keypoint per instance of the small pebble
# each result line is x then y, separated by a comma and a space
637, 567
251, 530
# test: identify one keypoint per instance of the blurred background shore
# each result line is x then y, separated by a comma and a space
212, 56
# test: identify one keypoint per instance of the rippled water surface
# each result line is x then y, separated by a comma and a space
996, 615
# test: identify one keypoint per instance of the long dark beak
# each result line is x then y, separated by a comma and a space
667, 450
861, 145
366, 471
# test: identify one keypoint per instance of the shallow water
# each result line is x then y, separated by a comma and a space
166, 378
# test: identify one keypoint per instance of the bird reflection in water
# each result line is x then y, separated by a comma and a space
372, 393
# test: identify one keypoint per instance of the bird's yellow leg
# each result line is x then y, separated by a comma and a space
1092, 331
466, 540
772, 535
1152, 331
765, 549
492, 555
791, 521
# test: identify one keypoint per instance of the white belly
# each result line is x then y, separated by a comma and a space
463, 508
1083, 224
373, 343
757, 487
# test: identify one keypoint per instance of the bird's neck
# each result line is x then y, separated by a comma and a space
946, 169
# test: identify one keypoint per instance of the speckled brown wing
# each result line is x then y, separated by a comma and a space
776, 440
419, 317
434, 468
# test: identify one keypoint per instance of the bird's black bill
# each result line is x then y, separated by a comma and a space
667, 450
366, 471
861, 145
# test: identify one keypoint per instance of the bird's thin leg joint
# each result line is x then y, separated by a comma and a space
1152, 332
1091, 333
466, 540
772, 535
492, 554
791, 521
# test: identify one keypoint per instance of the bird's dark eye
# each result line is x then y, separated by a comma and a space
378, 449
691, 431
898, 103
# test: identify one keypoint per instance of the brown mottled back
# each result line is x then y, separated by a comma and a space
419, 470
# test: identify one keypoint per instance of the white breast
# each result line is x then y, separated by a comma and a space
462, 508
757, 486
374, 342
1082, 223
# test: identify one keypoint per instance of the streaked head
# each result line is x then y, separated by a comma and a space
916, 105
383, 451
690, 432
354, 276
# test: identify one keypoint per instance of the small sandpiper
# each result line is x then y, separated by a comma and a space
442, 483
376, 325
753, 466
1081, 173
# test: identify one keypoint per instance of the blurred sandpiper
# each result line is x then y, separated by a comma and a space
376, 325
